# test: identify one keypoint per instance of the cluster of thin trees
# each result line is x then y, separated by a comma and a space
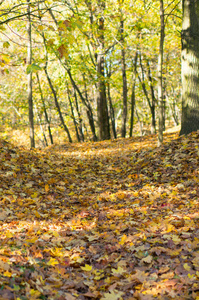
101, 58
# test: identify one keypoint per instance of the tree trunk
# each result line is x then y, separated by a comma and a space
89, 111
54, 91
111, 108
112, 112
124, 79
45, 110
133, 94
153, 100
102, 109
29, 61
44, 141
140, 123
190, 67
160, 82
57, 105
73, 115
80, 121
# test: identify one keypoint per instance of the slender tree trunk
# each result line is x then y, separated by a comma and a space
160, 82
133, 94
111, 108
45, 110
73, 115
190, 67
30, 97
124, 79
57, 105
54, 91
112, 112
80, 122
151, 103
140, 123
44, 142
153, 100
89, 111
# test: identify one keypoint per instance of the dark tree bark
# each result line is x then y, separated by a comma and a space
29, 61
80, 121
102, 109
151, 102
112, 112
124, 79
160, 83
190, 67
133, 94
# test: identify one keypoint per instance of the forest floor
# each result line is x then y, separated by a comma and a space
108, 220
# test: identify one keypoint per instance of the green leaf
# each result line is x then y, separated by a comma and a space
33, 68
6, 45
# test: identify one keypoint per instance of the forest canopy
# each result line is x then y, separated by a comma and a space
89, 68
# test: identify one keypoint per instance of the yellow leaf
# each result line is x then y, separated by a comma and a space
34, 195
37, 214
114, 295
56, 234
192, 276
47, 188
176, 239
123, 239
52, 262
121, 196
32, 241
9, 234
7, 274
35, 293
187, 267
118, 271
86, 268
170, 228
57, 252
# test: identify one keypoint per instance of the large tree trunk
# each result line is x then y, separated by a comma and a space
160, 83
190, 67
29, 61
102, 109
124, 79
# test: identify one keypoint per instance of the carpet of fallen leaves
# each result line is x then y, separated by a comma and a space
107, 220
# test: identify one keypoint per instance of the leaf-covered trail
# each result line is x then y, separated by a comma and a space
108, 220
